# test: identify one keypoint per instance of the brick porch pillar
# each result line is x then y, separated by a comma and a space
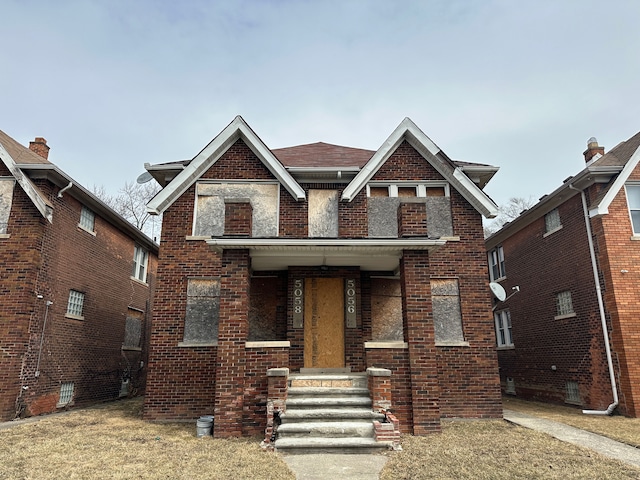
276, 400
233, 330
419, 334
379, 380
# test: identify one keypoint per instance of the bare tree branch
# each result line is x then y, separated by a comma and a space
507, 213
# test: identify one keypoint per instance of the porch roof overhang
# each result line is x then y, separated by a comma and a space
368, 254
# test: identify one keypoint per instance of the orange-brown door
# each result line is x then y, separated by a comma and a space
323, 323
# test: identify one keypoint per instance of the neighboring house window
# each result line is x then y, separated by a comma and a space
564, 304
75, 304
447, 316
66, 394
140, 260
87, 219
496, 264
503, 328
203, 311
633, 201
6, 197
573, 393
132, 330
552, 221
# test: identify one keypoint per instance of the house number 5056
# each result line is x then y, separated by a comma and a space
350, 300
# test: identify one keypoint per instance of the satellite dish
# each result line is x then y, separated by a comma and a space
498, 291
144, 178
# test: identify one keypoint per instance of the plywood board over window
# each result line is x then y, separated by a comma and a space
209, 215
263, 310
447, 317
323, 213
386, 310
6, 197
203, 310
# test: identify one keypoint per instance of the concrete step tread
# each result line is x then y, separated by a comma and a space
327, 376
362, 428
328, 442
328, 414
328, 402
294, 391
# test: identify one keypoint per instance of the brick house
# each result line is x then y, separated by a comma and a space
574, 257
321, 259
75, 282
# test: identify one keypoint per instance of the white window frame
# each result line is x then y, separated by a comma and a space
504, 330
633, 208
87, 220
421, 188
75, 305
564, 305
552, 222
496, 264
140, 263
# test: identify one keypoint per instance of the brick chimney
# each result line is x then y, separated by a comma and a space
592, 149
39, 146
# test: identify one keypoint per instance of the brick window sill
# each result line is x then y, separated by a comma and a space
552, 231
562, 317
90, 232
73, 317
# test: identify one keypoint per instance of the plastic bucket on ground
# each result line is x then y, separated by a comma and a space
204, 425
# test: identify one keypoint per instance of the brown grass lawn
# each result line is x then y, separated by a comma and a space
112, 442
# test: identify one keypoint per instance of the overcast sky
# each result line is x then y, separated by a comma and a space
518, 84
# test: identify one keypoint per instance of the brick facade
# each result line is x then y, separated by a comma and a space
427, 382
40, 262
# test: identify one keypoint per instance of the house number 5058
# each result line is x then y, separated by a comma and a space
350, 300
298, 297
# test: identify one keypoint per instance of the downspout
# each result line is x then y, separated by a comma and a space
603, 318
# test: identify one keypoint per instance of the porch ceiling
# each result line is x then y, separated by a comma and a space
368, 254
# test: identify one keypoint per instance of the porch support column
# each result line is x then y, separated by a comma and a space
233, 330
419, 334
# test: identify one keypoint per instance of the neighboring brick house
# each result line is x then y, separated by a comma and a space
551, 336
75, 288
321, 258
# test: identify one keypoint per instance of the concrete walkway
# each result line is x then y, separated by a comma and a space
321, 466
602, 445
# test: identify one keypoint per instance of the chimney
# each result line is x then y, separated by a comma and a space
39, 146
592, 150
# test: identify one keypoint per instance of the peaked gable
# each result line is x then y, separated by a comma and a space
237, 129
409, 131
35, 195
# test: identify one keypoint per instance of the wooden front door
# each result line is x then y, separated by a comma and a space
324, 323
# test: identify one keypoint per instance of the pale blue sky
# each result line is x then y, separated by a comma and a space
522, 85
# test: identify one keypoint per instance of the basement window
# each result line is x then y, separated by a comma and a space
66, 394
573, 393
511, 386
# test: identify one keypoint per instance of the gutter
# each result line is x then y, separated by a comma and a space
603, 319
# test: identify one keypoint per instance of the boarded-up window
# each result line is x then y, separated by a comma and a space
263, 309
203, 310
210, 207
133, 329
406, 191
323, 213
447, 318
386, 310
6, 197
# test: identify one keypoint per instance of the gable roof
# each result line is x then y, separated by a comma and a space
25, 164
616, 165
26, 156
454, 174
237, 129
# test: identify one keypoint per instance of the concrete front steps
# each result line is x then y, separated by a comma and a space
328, 413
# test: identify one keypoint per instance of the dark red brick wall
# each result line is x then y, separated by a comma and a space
258, 361
542, 267
50, 260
